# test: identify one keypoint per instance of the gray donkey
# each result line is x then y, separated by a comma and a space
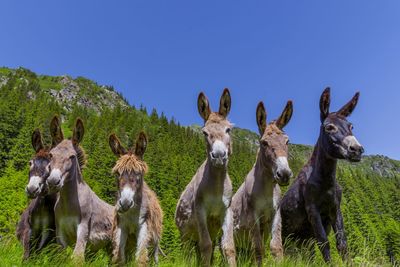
203, 209
81, 216
138, 215
36, 227
255, 204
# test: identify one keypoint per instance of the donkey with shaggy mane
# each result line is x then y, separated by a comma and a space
255, 204
311, 206
138, 215
36, 227
203, 210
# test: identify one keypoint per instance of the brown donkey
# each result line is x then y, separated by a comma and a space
36, 227
81, 216
311, 206
138, 215
203, 209
255, 204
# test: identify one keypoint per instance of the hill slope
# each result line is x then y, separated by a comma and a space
371, 188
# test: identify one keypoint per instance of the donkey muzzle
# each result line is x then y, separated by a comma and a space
283, 172
54, 180
354, 148
219, 153
33, 189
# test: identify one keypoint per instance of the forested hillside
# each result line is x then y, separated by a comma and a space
371, 198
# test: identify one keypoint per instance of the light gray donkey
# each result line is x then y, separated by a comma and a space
203, 213
82, 218
255, 204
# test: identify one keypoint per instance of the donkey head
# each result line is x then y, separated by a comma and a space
336, 135
274, 143
217, 129
38, 171
131, 169
66, 157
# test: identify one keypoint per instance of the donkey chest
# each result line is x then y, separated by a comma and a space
216, 205
67, 227
263, 208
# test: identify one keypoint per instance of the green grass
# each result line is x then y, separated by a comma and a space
11, 254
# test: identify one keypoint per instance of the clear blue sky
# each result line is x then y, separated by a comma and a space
162, 54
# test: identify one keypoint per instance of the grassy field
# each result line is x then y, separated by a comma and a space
11, 254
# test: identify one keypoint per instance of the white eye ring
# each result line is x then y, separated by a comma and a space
331, 128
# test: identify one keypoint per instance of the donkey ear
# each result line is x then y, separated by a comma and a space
79, 131
285, 116
141, 144
261, 117
225, 103
37, 142
203, 106
55, 131
324, 103
347, 109
116, 146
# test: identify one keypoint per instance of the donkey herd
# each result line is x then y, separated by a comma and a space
64, 209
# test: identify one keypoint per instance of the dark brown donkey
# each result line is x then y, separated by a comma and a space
36, 227
311, 206
203, 213
255, 204
138, 216
82, 218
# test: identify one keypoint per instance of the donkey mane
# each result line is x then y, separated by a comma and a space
130, 163
215, 118
273, 128
81, 156
43, 153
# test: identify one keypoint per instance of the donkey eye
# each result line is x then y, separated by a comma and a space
331, 128
228, 130
264, 143
31, 163
351, 127
205, 133
287, 142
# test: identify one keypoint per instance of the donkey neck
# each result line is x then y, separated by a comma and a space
324, 166
215, 174
263, 175
70, 189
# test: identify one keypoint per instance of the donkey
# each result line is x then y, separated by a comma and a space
203, 209
138, 215
255, 204
81, 216
36, 227
311, 206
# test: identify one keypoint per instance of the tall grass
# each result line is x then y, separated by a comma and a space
11, 255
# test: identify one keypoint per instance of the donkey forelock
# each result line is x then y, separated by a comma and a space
130, 163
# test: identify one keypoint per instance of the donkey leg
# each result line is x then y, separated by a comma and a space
338, 228
119, 243
142, 246
257, 241
276, 236
227, 241
82, 236
276, 245
319, 231
205, 243
26, 242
